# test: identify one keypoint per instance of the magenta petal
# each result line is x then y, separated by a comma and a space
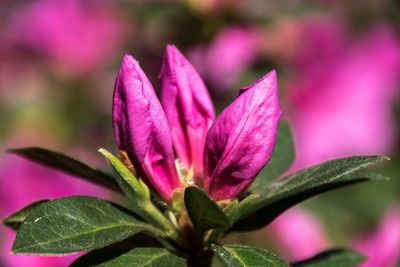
299, 235
241, 140
188, 107
382, 247
141, 129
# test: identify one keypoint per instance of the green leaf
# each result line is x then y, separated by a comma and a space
282, 158
14, 220
333, 258
261, 210
103, 255
67, 164
244, 256
242, 208
139, 192
73, 224
130, 185
203, 211
157, 257
231, 212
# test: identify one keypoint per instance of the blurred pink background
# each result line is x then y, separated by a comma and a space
338, 65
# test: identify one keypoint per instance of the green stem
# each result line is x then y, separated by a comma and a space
155, 217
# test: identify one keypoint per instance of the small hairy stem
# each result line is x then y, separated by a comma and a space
198, 254
155, 217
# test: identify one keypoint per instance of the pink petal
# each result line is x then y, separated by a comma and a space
224, 60
188, 107
54, 28
241, 140
383, 246
141, 129
342, 97
299, 234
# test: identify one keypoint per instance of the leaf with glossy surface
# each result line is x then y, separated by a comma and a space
261, 210
108, 253
146, 257
244, 256
73, 224
67, 164
14, 220
203, 211
333, 258
282, 158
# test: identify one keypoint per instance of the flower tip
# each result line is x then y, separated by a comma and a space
172, 53
267, 81
128, 61
171, 48
127, 57
269, 77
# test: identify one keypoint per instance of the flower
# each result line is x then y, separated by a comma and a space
188, 107
241, 140
234, 148
141, 128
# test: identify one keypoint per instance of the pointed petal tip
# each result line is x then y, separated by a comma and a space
128, 61
270, 78
171, 48
171, 56
174, 54
130, 69
127, 57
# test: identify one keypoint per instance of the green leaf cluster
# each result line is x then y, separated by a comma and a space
150, 234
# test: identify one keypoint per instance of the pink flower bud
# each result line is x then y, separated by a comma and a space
141, 129
188, 108
241, 140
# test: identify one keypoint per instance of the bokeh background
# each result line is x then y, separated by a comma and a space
338, 64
